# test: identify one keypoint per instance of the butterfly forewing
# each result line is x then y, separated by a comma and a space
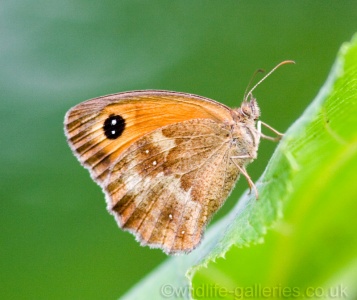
141, 112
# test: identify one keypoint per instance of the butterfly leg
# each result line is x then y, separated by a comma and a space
246, 175
277, 138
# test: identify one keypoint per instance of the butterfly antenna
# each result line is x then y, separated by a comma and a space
267, 75
250, 82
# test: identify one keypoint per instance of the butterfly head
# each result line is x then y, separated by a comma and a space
249, 110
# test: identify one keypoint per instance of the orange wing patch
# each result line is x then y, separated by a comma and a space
142, 112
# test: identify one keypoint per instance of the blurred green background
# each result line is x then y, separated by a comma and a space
57, 240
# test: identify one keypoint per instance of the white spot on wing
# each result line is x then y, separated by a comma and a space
114, 121
131, 182
172, 186
161, 141
146, 151
170, 216
154, 163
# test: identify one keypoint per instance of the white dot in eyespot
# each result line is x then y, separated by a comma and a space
154, 163
146, 151
170, 216
114, 121
113, 132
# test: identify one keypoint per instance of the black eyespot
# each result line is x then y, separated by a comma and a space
114, 126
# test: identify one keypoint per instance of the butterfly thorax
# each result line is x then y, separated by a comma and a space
245, 134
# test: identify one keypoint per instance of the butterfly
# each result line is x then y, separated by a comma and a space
166, 161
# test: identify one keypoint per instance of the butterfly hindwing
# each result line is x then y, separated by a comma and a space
166, 186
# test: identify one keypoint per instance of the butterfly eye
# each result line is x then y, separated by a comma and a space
114, 126
246, 109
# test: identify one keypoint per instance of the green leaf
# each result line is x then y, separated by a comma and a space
308, 201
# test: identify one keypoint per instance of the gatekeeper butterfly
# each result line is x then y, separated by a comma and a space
166, 161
